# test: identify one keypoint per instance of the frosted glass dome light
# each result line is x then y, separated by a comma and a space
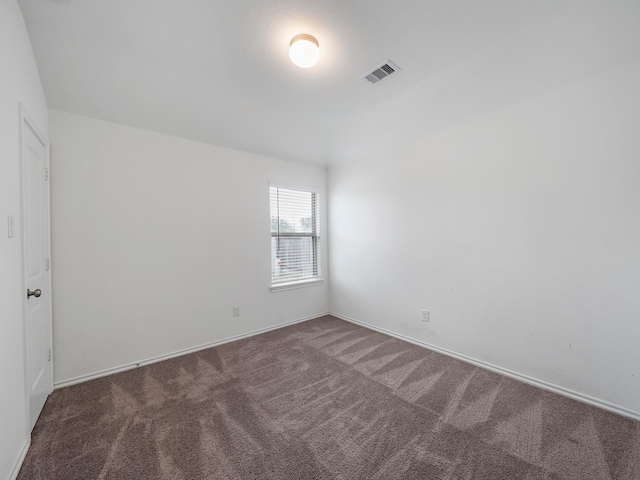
304, 51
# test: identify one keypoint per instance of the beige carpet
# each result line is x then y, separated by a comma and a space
324, 399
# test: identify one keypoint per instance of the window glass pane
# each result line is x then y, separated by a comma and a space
292, 258
293, 209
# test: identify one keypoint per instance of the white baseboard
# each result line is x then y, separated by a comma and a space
503, 371
23, 454
178, 353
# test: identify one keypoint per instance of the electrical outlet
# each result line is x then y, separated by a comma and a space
236, 311
425, 315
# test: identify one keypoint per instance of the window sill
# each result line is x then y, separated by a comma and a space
279, 287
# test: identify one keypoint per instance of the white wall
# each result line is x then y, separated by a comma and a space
519, 230
19, 82
155, 239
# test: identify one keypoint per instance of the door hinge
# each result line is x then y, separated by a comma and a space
47, 264
46, 173
49, 356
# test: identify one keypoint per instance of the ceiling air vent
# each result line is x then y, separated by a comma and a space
380, 72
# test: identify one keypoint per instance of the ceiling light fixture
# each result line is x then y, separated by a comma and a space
304, 50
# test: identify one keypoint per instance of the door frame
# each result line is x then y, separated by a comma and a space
26, 121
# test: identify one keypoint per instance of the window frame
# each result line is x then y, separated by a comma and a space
315, 236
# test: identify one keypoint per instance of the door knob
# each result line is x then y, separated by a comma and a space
35, 293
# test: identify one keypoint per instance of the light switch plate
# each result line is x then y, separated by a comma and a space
11, 226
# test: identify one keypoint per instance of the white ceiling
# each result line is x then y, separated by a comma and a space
218, 71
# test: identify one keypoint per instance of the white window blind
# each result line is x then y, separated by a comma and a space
295, 236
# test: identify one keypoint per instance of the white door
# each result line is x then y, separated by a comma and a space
37, 291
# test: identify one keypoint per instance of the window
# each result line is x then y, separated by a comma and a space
295, 237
